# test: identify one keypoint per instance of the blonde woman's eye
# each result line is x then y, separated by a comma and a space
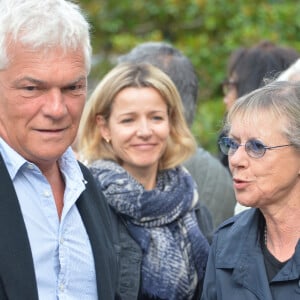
127, 120
158, 118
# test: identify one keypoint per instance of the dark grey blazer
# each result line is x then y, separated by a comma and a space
17, 277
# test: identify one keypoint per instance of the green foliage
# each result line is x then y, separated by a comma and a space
208, 123
207, 31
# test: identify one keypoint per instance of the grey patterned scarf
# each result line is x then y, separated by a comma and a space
163, 223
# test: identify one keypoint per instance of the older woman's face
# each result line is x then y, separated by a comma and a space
272, 180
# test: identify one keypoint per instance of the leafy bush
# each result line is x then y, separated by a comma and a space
207, 31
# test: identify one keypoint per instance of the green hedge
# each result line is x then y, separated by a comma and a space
205, 30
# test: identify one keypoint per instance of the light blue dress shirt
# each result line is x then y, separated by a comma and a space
61, 250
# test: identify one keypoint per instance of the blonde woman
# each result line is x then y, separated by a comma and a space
134, 137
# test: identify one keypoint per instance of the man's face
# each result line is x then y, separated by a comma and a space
41, 100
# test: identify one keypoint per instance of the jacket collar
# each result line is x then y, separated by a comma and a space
17, 271
239, 249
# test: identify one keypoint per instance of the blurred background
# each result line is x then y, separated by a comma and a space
207, 31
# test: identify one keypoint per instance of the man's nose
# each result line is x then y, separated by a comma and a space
55, 105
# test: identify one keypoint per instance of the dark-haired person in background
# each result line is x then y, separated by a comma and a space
251, 68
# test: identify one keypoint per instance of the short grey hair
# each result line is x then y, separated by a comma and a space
279, 98
43, 25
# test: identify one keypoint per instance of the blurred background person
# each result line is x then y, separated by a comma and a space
251, 68
256, 254
292, 73
213, 180
134, 136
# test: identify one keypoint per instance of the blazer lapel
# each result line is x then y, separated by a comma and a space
16, 263
95, 214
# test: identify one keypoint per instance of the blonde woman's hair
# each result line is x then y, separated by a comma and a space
92, 146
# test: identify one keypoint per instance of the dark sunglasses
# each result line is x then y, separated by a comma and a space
253, 147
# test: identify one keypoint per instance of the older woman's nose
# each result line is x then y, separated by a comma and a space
239, 158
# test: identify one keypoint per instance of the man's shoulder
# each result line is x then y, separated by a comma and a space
204, 160
208, 172
214, 184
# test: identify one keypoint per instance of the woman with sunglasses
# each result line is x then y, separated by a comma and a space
256, 254
251, 68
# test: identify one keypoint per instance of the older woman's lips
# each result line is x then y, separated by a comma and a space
240, 184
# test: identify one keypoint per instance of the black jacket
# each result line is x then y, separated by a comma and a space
236, 269
17, 277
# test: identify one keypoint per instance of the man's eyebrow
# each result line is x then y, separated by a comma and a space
29, 79
41, 82
81, 78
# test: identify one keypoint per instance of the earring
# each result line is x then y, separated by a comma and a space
107, 140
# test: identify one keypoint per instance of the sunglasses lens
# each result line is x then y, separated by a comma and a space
227, 145
255, 148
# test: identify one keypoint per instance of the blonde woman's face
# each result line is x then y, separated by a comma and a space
138, 129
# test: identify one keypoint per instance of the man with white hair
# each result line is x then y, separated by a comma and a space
54, 226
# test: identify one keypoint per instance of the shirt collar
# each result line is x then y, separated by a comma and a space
67, 163
13, 160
